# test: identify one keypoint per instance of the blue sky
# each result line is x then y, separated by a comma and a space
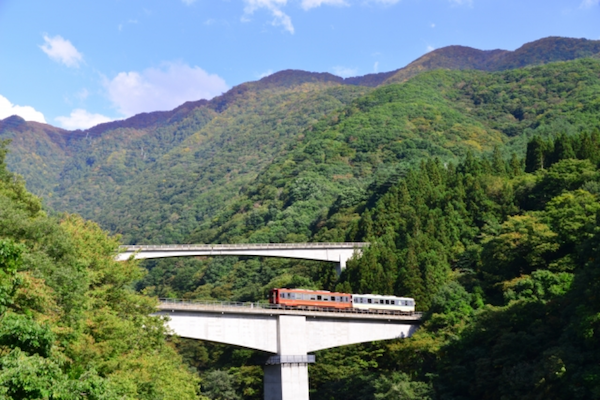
78, 63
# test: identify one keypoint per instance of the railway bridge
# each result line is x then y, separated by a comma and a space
289, 335
338, 253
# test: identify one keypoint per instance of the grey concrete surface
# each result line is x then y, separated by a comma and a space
291, 334
338, 253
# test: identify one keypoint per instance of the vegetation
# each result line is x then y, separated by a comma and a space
497, 250
71, 327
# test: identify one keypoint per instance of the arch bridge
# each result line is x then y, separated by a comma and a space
338, 253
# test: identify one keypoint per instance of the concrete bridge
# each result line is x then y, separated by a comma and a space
338, 253
288, 334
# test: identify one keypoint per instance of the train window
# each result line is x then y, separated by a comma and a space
369, 301
387, 302
318, 297
313, 297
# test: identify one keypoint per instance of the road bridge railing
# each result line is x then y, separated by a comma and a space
239, 246
267, 308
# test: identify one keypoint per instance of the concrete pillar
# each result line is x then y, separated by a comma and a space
286, 381
286, 375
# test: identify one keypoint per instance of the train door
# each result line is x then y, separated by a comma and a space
274, 296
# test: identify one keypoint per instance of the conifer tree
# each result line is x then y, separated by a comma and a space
536, 153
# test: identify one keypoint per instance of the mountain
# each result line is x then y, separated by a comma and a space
362, 149
541, 51
203, 151
171, 171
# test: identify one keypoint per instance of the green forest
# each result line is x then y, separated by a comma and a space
500, 234
71, 325
477, 191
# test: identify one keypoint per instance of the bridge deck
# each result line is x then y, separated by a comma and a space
268, 309
243, 246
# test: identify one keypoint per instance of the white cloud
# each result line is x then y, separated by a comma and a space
28, 113
589, 3
376, 67
188, 2
308, 4
81, 119
344, 72
61, 50
432, 25
430, 48
162, 88
274, 6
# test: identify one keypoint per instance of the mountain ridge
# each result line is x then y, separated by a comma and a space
541, 51
549, 49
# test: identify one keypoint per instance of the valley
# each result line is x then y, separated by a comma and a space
472, 174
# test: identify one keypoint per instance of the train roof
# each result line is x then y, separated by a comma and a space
379, 296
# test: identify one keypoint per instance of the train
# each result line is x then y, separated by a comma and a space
316, 299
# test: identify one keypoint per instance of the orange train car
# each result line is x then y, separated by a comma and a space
310, 298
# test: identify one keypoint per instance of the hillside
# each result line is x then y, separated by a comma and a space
71, 327
131, 162
369, 144
167, 197
120, 162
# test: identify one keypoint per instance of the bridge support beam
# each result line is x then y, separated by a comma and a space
289, 335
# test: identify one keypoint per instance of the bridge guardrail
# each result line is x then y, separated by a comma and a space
215, 305
242, 245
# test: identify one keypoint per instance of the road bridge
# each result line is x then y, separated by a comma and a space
288, 334
338, 253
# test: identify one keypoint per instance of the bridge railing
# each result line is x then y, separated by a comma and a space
247, 306
346, 245
306, 359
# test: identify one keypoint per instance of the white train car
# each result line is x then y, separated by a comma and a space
379, 302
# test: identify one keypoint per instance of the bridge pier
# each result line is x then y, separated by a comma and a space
286, 381
286, 375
